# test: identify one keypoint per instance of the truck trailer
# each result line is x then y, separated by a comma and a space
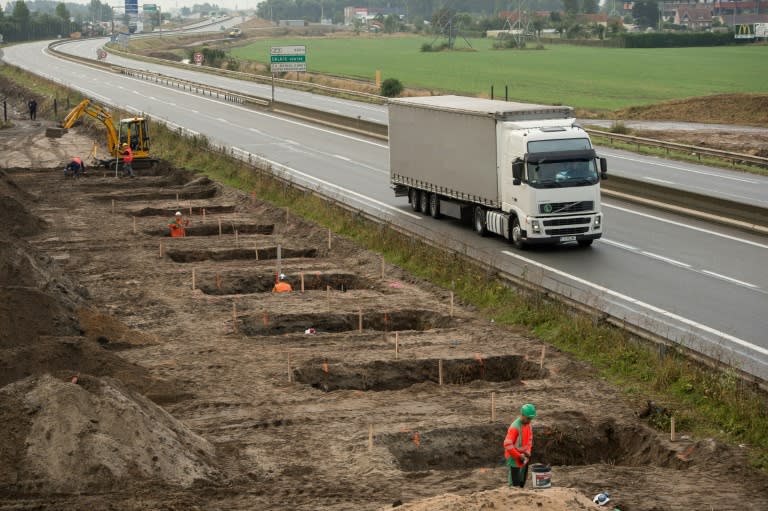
523, 171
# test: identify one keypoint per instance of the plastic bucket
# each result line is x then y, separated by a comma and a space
541, 475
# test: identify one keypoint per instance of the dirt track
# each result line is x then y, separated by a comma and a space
215, 398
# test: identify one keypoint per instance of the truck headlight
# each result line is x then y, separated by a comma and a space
597, 222
535, 226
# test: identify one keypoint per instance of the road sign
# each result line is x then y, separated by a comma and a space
288, 58
150, 8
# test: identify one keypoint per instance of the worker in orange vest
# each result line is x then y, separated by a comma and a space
282, 285
127, 153
517, 446
178, 226
75, 167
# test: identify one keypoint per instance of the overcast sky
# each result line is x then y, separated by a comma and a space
172, 4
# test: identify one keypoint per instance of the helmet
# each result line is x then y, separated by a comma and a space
124, 144
528, 410
178, 213
602, 499
282, 276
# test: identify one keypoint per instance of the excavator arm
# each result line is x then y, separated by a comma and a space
98, 112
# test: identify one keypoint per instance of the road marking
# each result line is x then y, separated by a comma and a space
659, 180
665, 259
222, 120
620, 245
680, 224
676, 167
342, 157
652, 308
730, 279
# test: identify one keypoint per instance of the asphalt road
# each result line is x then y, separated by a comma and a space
701, 285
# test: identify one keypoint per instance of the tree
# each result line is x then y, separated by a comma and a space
571, 7
390, 24
590, 6
21, 12
646, 13
62, 12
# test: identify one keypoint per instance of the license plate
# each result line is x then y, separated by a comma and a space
567, 238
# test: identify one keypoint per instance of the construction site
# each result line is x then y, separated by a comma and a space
141, 371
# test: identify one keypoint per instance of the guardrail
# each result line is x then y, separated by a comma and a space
699, 151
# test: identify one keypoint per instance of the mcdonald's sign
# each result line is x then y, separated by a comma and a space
744, 31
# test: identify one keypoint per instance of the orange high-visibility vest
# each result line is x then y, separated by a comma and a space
282, 287
519, 438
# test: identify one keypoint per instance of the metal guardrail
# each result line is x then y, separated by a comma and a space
699, 151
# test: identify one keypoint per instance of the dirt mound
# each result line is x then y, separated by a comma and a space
745, 109
93, 435
551, 499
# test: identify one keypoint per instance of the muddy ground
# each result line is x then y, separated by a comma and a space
145, 372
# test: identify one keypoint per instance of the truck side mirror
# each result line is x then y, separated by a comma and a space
517, 172
603, 168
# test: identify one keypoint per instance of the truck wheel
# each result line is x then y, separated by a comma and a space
413, 196
479, 221
585, 243
424, 202
434, 205
516, 234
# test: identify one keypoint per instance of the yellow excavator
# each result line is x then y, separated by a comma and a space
134, 131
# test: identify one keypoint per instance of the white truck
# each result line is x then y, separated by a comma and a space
522, 171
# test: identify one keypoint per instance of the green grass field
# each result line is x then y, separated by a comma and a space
593, 78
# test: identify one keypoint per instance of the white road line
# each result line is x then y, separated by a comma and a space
342, 157
730, 279
680, 224
652, 308
222, 120
665, 259
659, 180
676, 167
620, 245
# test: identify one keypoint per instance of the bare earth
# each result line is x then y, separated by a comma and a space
197, 388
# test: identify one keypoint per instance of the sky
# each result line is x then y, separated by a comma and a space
174, 4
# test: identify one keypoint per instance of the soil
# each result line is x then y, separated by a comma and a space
141, 371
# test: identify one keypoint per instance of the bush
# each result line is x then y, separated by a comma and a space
677, 40
391, 87
426, 47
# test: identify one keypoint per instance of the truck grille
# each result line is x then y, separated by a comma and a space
566, 221
554, 208
568, 230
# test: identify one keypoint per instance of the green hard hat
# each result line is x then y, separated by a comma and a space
528, 410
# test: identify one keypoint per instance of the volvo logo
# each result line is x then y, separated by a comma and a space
547, 208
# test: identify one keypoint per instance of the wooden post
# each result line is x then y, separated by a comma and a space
359, 320
301, 275
543, 352
451, 310
190, 211
440, 372
382, 267
290, 374
113, 206
397, 344
256, 251
493, 407
203, 215
370, 437
329, 238
134, 225
193, 279
672, 436
234, 314
219, 227
328, 296
177, 200
218, 281
279, 260
237, 239
161, 250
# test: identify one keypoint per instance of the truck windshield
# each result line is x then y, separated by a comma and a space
561, 174
565, 144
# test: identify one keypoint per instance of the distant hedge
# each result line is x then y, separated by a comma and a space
677, 39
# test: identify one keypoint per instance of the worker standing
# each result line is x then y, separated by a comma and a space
32, 105
127, 154
517, 446
282, 285
178, 226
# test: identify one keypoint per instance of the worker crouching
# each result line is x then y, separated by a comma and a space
282, 285
178, 226
518, 445
75, 168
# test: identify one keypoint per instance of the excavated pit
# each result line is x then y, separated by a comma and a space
264, 253
169, 212
330, 322
205, 192
213, 229
573, 443
262, 283
399, 374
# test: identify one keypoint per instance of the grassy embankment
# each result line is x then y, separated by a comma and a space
704, 402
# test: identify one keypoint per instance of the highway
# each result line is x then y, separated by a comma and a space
702, 285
